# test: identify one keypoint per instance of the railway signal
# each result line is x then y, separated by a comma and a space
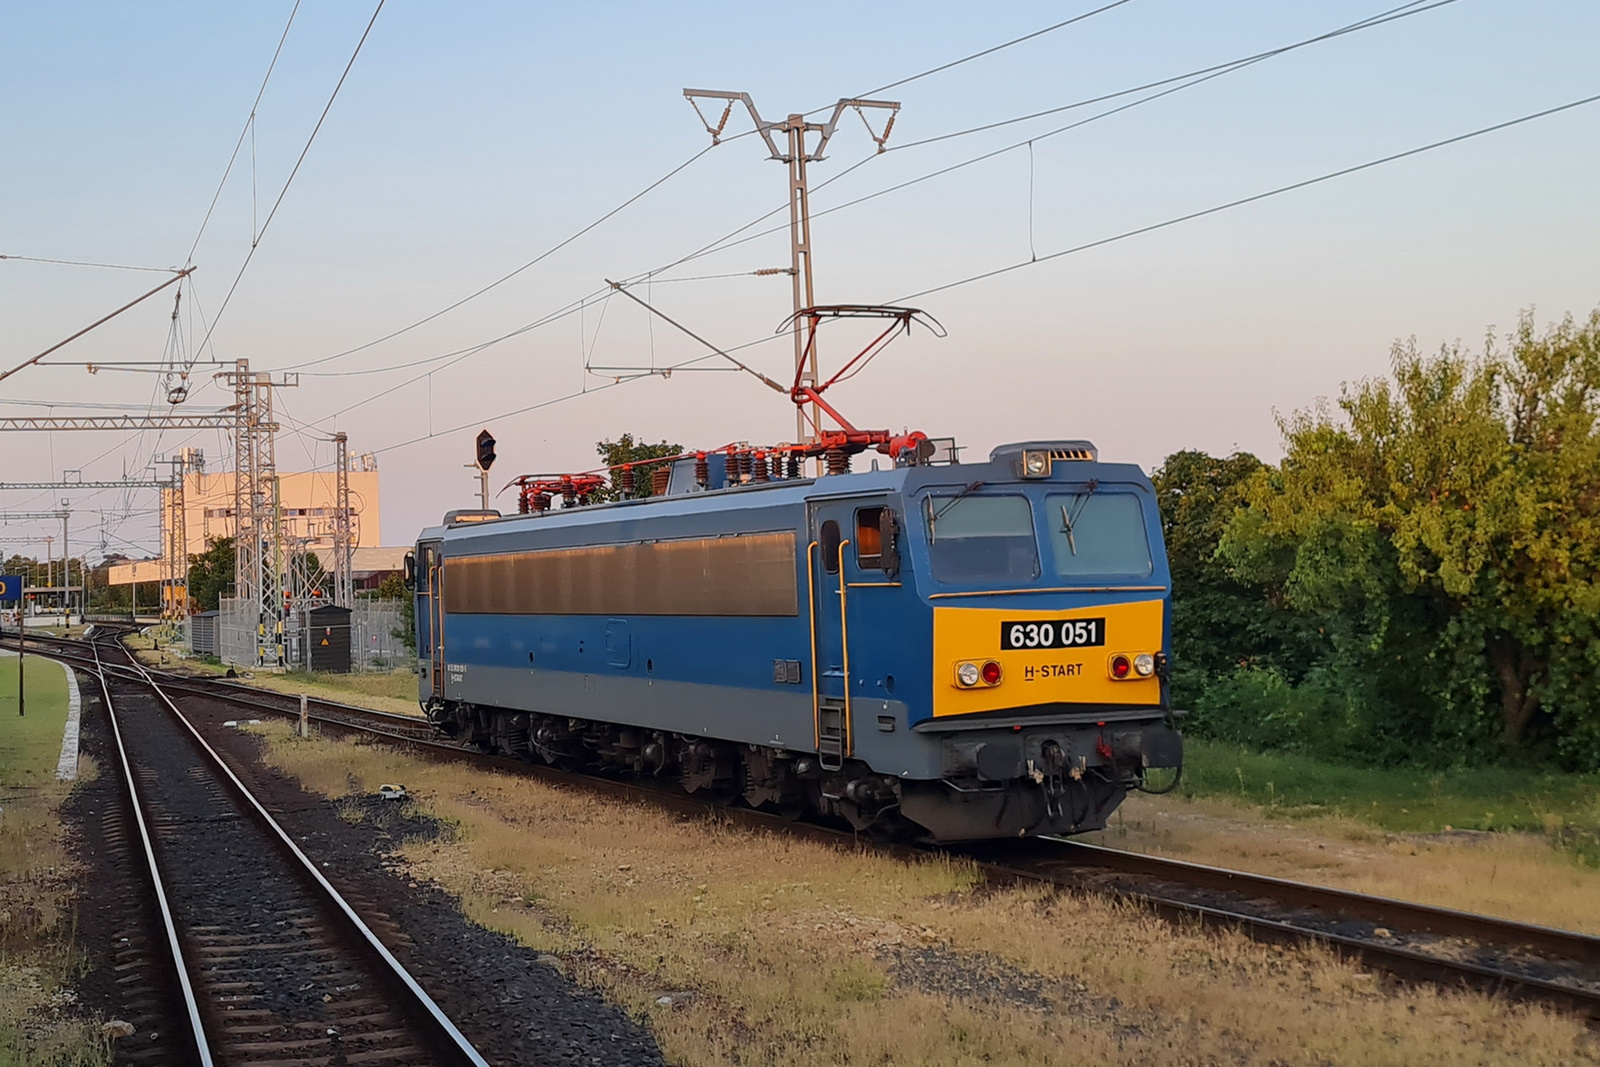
485, 459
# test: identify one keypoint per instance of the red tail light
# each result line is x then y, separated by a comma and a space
991, 673
1120, 666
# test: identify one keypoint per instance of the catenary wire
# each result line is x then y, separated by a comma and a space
673, 172
552, 250
1415, 7
1186, 81
85, 263
1253, 198
256, 241
248, 123
1054, 255
987, 51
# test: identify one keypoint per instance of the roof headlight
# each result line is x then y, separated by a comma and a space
967, 674
1036, 464
1144, 665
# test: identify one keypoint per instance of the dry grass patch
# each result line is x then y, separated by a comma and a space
392, 691
1511, 874
751, 948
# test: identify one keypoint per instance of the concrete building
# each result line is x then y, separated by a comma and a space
307, 505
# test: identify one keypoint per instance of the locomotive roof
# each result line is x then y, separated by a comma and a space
763, 495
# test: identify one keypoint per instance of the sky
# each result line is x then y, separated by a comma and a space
470, 138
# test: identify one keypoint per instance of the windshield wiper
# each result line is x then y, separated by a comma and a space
1068, 524
934, 516
1066, 528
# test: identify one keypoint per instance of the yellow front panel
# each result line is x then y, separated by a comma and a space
1042, 676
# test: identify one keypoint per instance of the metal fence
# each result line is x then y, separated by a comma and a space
375, 644
375, 641
236, 632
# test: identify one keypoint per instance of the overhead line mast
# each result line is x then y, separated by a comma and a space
796, 155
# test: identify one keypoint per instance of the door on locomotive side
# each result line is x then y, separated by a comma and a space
430, 615
853, 569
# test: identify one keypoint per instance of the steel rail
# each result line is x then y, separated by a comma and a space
168, 923
445, 1029
1381, 911
440, 1020
1409, 917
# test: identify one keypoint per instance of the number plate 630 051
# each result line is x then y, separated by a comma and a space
1063, 633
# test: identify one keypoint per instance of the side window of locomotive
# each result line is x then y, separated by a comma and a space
981, 538
1098, 533
869, 538
829, 537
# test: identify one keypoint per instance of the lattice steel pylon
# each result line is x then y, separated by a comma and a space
259, 577
343, 540
175, 545
175, 534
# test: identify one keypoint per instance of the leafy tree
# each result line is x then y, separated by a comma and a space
211, 573
1221, 622
1445, 527
626, 450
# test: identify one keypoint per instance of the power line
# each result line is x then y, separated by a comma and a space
1252, 199
989, 51
1053, 255
256, 241
243, 130
1186, 81
83, 263
1392, 15
672, 173
547, 253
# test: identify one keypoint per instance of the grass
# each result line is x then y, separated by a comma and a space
38, 1025
1402, 800
30, 745
1517, 845
393, 691
772, 950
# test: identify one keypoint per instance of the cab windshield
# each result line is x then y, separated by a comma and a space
1097, 533
981, 538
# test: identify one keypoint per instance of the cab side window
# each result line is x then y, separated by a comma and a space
829, 538
869, 538
877, 537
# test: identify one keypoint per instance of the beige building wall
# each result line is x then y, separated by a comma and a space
306, 501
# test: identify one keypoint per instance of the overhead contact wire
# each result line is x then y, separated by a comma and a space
256, 242
248, 124
672, 173
1253, 198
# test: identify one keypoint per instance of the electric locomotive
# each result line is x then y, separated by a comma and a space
938, 650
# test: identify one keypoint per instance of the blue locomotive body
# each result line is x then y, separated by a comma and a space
952, 652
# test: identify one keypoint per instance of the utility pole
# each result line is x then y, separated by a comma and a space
795, 154
66, 568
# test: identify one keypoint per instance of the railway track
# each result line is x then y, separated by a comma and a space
1414, 942
268, 961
